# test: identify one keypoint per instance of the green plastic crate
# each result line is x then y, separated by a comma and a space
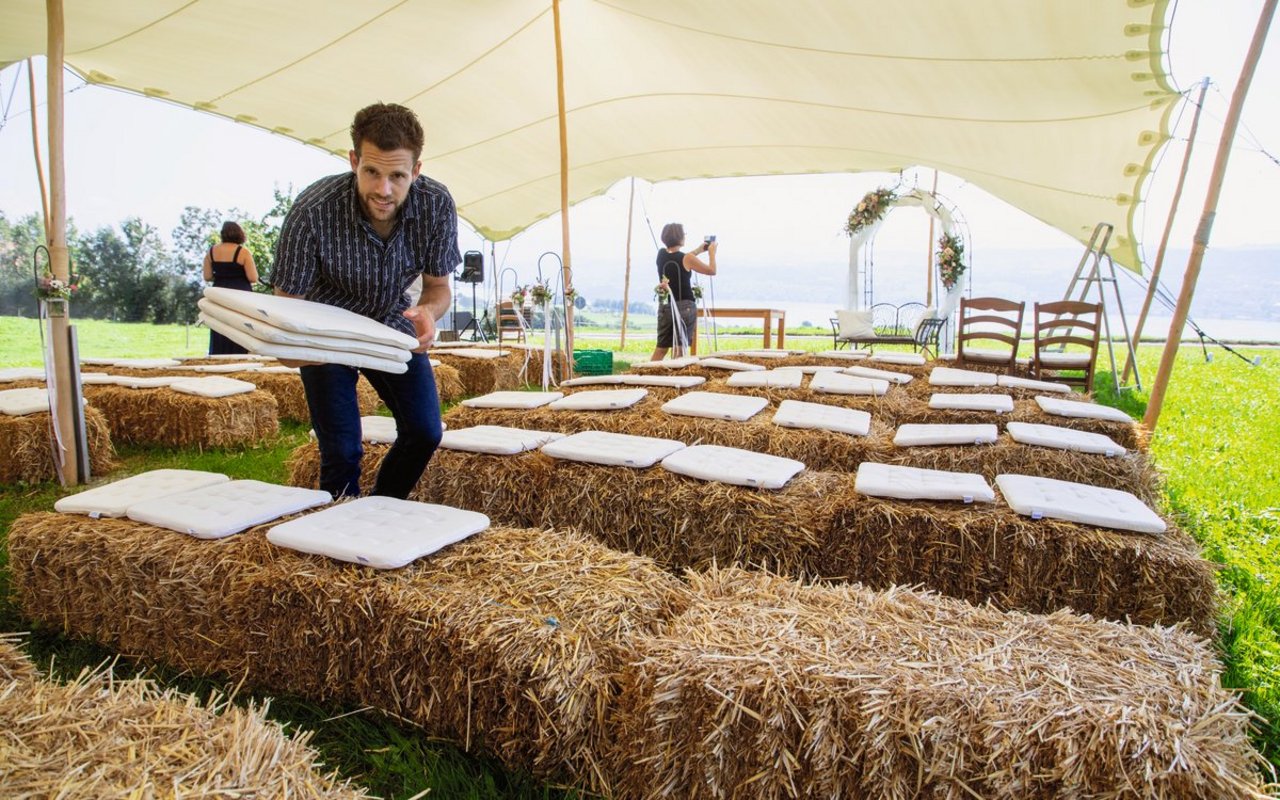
593, 362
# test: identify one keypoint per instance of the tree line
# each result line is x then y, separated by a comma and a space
127, 272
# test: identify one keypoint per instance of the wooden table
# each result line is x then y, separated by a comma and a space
767, 316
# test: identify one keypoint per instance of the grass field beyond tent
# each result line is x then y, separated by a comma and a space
1216, 445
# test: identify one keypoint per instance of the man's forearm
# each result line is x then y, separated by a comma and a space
436, 298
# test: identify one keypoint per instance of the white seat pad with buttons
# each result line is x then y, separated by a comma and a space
669, 363
280, 369
476, 353
512, 399
212, 386
911, 483
99, 379
844, 355
1066, 360
988, 356
949, 376
878, 374
998, 403
711, 462
758, 353
455, 345
1078, 502
21, 402
841, 383
113, 499
910, 359
600, 400
1075, 408
612, 449
267, 333
668, 381
595, 380
725, 363
1063, 438
226, 357
158, 382
817, 416
812, 369
716, 405
320, 355
496, 439
21, 374
239, 366
378, 430
218, 511
768, 379
924, 435
304, 316
1026, 383
106, 362
379, 532
146, 363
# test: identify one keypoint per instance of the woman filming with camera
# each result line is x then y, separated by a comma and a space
677, 309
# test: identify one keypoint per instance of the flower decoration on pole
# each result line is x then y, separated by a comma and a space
540, 292
518, 295
51, 288
950, 259
870, 210
697, 292
570, 295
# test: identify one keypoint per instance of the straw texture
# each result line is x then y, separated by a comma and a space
172, 419
26, 445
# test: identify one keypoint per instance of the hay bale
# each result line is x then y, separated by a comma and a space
291, 397
766, 688
876, 406
28, 450
172, 419
98, 736
484, 375
449, 386
904, 408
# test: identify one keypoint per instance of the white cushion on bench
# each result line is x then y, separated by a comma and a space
998, 403
304, 316
146, 363
844, 355
496, 439
667, 363
910, 483
1026, 383
924, 435
100, 379
158, 382
113, 499
733, 465
612, 449
1077, 502
818, 416
594, 380
757, 353
220, 510
716, 405
949, 376
280, 369
768, 379
1075, 408
10, 374
910, 359
240, 366
212, 386
1063, 438
226, 357
21, 402
878, 374
1067, 360
986, 356
724, 363
329, 354
379, 532
512, 399
841, 383
668, 381
378, 430
477, 353
600, 400
855, 324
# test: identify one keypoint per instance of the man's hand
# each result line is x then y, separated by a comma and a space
424, 326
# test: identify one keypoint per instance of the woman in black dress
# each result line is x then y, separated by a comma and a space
230, 266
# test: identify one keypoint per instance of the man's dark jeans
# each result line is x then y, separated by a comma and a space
335, 415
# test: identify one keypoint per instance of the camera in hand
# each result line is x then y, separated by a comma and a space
709, 239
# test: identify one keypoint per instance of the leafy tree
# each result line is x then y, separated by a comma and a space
18, 242
127, 272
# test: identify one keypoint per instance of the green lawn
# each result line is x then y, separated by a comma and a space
1215, 443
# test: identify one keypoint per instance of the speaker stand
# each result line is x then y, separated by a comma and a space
477, 331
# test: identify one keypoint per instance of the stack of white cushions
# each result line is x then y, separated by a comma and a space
289, 328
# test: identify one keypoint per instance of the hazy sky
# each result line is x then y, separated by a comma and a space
132, 156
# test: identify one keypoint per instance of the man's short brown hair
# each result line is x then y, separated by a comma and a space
387, 126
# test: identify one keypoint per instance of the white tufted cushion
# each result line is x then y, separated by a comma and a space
21, 402
477, 353
1074, 408
1077, 502
878, 374
732, 465
10, 374
799, 414
510, 399
669, 363
668, 381
600, 400
113, 499
768, 379
909, 359
146, 363
158, 382
227, 357
267, 333
910, 483
212, 386
612, 449
98, 379
106, 362
455, 345
239, 366
855, 324
1063, 438
812, 369
330, 354
378, 430
280, 369
997, 403
949, 376
733, 366
917, 435
496, 439
380, 532
1067, 360
220, 510
844, 355
1026, 383
840, 383
986, 356
757, 353
716, 405
594, 380
304, 316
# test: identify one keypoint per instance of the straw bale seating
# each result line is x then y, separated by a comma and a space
904, 409
100, 736
484, 375
167, 418
763, 689
28, 453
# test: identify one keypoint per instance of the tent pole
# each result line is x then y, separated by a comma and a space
626, 282
35, 147
1164, 239
928, 252
564, 188
1206, 218
70, 415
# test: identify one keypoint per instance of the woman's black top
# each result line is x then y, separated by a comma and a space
671, 267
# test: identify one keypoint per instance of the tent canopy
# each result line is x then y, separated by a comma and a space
1058, 107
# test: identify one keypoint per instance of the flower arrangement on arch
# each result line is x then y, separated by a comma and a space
697, 292
540, 293
950, 259
51, 288
518, 295
870, 210
662, 292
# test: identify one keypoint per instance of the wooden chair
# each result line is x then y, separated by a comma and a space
1067, 324
509, 326
991, 320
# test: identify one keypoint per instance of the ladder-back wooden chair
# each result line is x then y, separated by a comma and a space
509, 326
991, 321
1066, 324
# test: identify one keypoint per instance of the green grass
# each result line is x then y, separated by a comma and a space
1215, 444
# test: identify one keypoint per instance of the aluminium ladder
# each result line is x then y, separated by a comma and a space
1090, 274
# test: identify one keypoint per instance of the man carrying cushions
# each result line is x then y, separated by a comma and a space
357, 240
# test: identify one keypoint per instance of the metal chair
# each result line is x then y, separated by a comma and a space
1062, 324
992, 320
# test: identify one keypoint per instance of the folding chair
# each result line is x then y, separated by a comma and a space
992, 320
1062, 324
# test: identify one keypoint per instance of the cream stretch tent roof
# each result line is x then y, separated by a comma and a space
1056, 106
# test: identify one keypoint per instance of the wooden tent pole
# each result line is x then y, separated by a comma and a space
626, 281
567, 281
1164, 238
70, 415
928, 256
35, 147
1206, 218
